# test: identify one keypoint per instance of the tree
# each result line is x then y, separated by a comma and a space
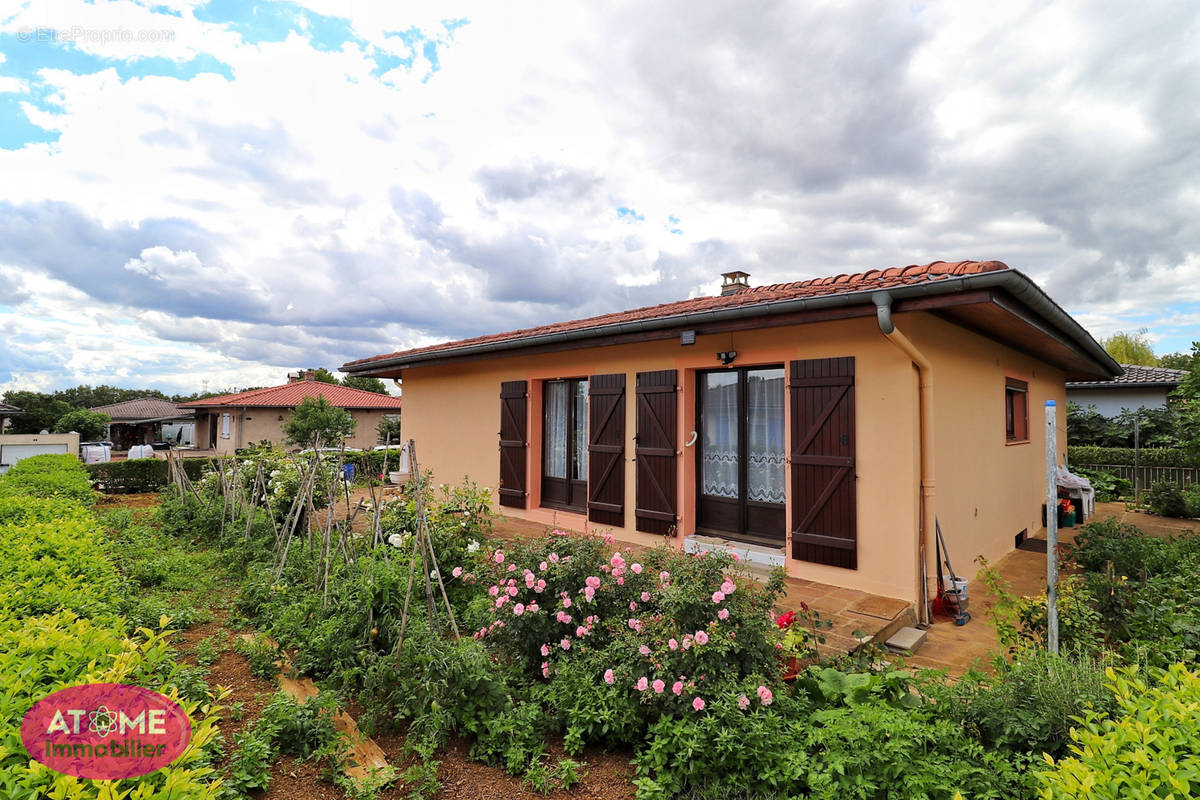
41, 411
1186, 400
1131, 348
1176, 361
324, 376
316, 421
366, 384
389, 426
90, 425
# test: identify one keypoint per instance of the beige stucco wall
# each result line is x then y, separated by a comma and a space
249, 425
988, 490
453, 411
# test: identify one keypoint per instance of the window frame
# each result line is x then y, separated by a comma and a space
568, 493
1016, 426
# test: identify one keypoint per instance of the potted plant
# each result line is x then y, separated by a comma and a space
800, 633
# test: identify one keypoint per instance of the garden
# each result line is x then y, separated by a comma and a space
564, 665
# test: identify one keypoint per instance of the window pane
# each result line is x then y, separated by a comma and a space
765, 459
719, 411
554, 459
579, 470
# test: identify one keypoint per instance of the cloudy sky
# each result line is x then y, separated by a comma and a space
213, 193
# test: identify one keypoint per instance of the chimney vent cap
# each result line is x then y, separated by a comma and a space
734, 281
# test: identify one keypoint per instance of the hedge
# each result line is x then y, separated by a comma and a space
60, 597
140, 475
1083, 455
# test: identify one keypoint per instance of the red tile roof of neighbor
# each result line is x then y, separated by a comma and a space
291, 395
871, 280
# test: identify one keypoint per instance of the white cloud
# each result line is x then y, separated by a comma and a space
310, 209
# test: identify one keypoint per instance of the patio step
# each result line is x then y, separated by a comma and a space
906, 641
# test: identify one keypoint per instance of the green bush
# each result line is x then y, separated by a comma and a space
1108, 487
1191, 496
60, 598
1087, 455
1148, 748
1166, 500
48, 476
1031, 702
141, 474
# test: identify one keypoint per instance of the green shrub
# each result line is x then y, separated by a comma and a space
1165, 499
60, 595
1030, 704
1148, 748
1108, 486
1087, 455
141, 474
48, 476
1191, 496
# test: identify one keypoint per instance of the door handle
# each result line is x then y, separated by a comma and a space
692, 440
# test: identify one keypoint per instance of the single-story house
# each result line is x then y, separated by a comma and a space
7, 411
231, 421
1139, 387
825, 423
146, 420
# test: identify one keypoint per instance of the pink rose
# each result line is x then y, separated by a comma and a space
565, 644
718, 597
532, 608
743, 702
664, 576
545, 651
764, 694
512, 591
518, 609
566, 602
554, 558
659, 686
701, 637
593, 581
540, 586
493, 591
644, 650
671, 643
645, 597
677, 688
589, 593
641, 684
542, 566
723, 613
498, 557
456, 571
609, 678
512, 567
698, 704
581, 631
637, 568
728, 586
617, 560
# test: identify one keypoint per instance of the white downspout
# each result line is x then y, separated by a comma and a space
928, 509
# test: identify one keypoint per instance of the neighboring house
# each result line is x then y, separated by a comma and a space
7, 411
235, 420
1139, 387
146, 420
822, 424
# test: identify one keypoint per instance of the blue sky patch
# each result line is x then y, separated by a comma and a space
629, 214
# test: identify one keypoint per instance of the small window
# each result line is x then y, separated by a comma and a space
1016, 410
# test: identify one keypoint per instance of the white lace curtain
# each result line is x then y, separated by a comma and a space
556, 430
579, 470
765, 458
764, 447
720, 421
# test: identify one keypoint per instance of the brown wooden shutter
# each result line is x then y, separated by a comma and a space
513, 444
606, 449
824, 500
657, 410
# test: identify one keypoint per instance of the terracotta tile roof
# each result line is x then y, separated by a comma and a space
142, 409
869, 281
1136, 375
291, 395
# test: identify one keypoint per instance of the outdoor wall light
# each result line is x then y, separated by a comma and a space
727, 357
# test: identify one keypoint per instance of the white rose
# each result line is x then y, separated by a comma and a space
472, 546
396, 540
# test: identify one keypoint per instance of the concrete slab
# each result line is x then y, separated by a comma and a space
907, 640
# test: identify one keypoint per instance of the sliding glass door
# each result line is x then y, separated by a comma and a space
740, 452
564, 444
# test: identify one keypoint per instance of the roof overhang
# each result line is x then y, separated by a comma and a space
1122, 385
1004, 305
